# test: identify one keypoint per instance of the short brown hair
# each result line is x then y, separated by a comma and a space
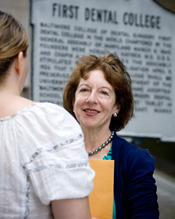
115, 73
13, 40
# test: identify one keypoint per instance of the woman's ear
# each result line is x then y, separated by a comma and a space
117, 108
18, 63
73, 102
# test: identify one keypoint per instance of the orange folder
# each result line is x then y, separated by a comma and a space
101, 197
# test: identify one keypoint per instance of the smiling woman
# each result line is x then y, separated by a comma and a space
99, 95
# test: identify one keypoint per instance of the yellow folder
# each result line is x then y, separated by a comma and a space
101, 198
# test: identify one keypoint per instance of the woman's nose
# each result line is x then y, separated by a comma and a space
92, 98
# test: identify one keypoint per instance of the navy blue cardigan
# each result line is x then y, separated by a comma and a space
134, 185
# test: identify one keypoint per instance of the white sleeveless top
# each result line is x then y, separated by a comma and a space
42, 158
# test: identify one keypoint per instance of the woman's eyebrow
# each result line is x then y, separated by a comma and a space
108, 88
84, 84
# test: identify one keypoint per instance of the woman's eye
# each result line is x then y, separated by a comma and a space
104, 92
83, 90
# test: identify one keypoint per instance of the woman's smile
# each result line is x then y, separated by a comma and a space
91, 112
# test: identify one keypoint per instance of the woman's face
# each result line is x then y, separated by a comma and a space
95, 101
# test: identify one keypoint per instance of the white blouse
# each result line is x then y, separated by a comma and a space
42, 158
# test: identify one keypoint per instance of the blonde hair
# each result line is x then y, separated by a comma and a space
13, 39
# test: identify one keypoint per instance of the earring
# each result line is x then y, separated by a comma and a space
115, 114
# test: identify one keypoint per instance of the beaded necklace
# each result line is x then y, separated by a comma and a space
102, 146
